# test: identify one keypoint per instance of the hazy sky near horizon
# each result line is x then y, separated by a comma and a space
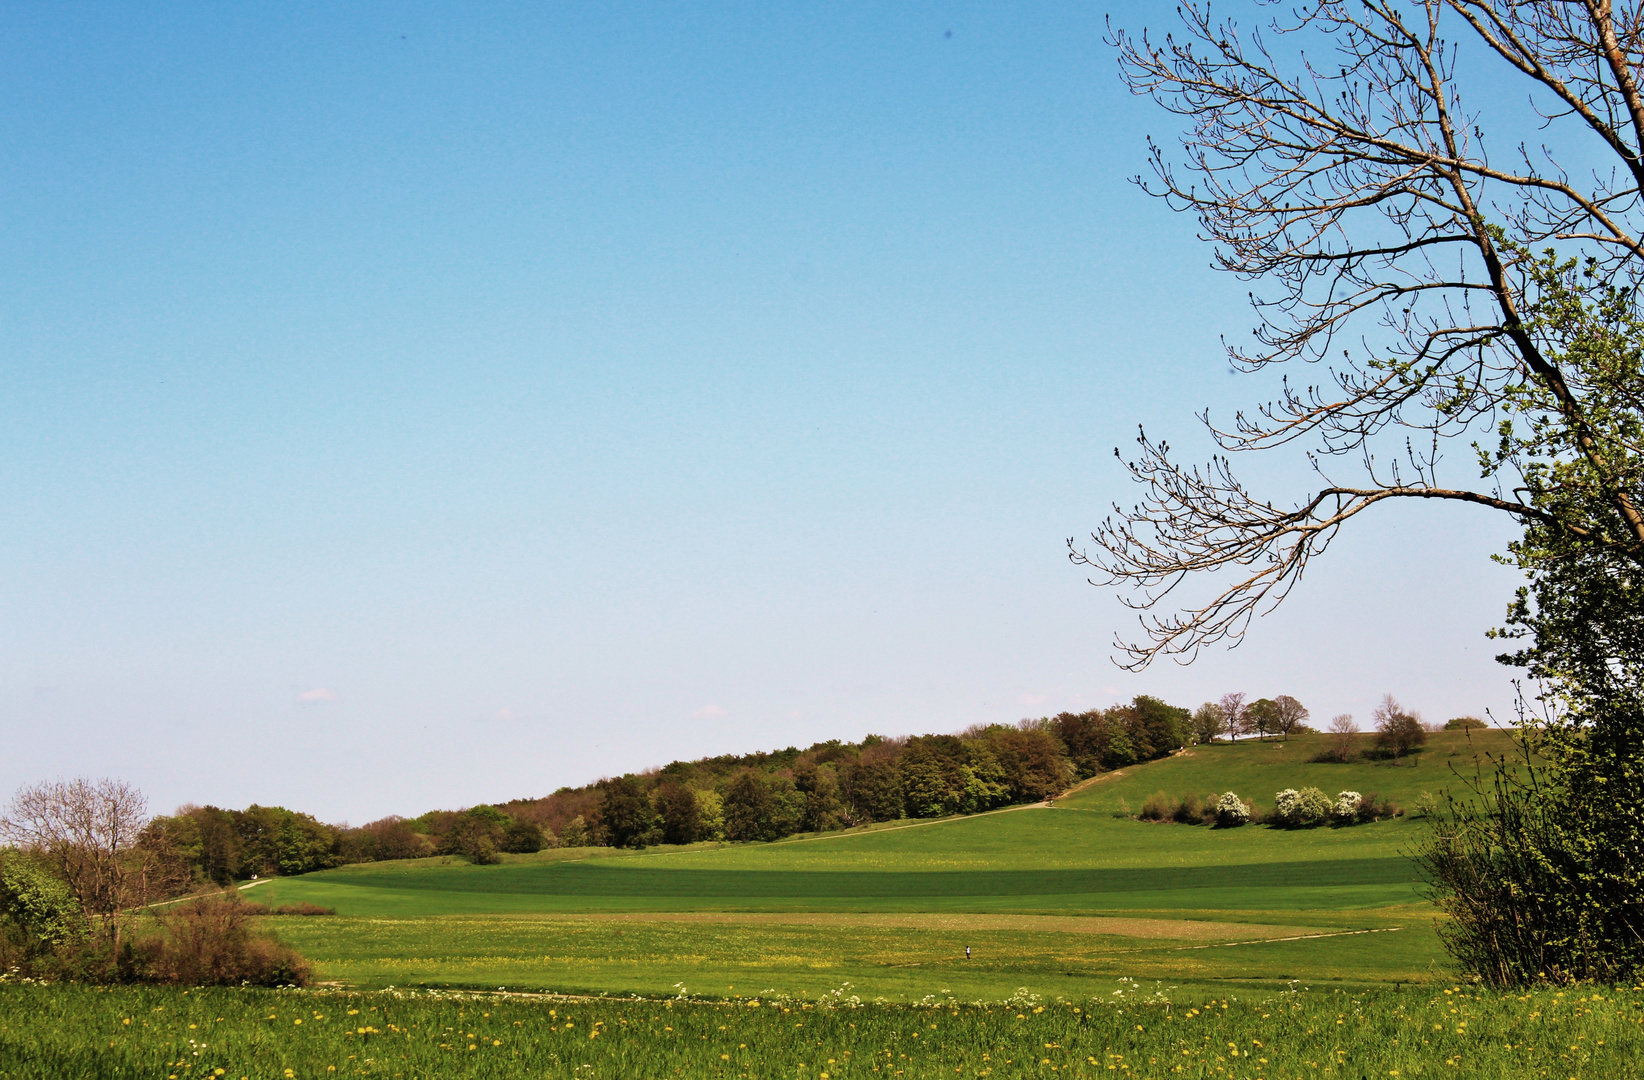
416, 406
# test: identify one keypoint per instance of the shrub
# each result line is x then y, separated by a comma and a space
1121, 809
1464, 723
254, 909
1190, 810
1231, 812
1347, 808
1302, 809
42, 908
211, 942
1286, 809
1157, 807
1313, 807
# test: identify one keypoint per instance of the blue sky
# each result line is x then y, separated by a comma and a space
422, 406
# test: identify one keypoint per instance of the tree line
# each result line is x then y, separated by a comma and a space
751, 797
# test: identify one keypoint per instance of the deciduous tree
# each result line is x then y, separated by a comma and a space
1466, 274
86, 831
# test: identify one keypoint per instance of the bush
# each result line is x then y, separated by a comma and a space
1302, 809
1347, 810
39, 905
1157, 807
1191, 810
1313, 807
211, 942
1231, 811
1464, 723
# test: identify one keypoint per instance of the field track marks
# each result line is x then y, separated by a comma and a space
1293, 937
1114, 926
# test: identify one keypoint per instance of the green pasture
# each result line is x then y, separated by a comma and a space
1125, 1028
874, 956
1058, 900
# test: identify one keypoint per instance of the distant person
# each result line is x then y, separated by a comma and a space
967, 952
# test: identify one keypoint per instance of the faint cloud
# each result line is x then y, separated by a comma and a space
708, 712
317, 694
1031, 699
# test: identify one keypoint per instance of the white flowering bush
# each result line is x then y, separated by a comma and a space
1286, 807
1346, 811
1231, 811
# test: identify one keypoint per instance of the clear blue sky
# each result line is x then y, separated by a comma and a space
423, 406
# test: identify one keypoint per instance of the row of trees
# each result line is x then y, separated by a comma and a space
835, 784
1235, 716
765, 796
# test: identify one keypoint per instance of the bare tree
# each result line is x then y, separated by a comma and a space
1235, 715
1342, 729
1289, 714
1398, 730
87, 831
1458, 276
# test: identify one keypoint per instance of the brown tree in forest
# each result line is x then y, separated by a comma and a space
1457, 275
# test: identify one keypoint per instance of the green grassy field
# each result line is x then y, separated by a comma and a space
1054, 899
70, 1033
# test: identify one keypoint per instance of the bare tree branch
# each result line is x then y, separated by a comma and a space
1353, 184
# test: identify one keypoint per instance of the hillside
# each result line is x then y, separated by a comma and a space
1256, 769
1064, 899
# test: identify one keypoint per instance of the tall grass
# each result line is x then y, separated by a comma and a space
47, 1033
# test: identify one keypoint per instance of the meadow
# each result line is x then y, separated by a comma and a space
69, 1033
1029, 941
1055, 899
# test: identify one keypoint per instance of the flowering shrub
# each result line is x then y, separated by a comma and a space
1347, 807
1231, 811
1302, 809
1313, 807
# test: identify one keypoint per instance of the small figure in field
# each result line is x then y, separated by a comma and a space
967, 952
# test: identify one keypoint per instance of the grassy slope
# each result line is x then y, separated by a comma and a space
575, 920
1256, 769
